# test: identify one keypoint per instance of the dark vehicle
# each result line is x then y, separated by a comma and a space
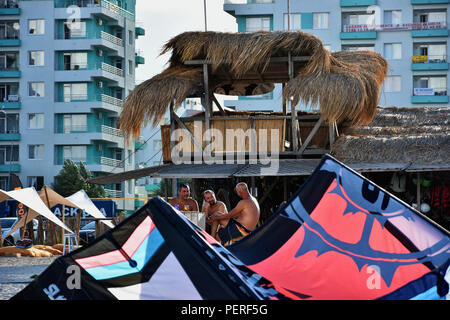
87, 233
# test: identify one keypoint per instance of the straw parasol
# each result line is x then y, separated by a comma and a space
341, 85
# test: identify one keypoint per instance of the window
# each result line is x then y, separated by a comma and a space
257, 24
393, 51
9, 61
130, 67
36, 182
130, 37
436, 84
36, 27
295, 22
75, 60
10, 123
321, 20
75, 29
35, 151
75, 153
393, 17
75, 91
9, 30
75, 122
36, 89
36, 58
130, 187
9, 154
36, 121
9, 92
393, 84
436, 52
363, 18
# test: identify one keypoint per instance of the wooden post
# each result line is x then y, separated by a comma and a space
208, 109
294, 123
285, 189
418, 191
62, 229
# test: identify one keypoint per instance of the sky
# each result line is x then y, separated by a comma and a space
164, 19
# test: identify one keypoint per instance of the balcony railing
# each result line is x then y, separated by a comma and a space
111, 100
75, 97
111, 162
394, 27
430, 59
91, 35
111, 131
99, 66
430, 92
110, 193
111, 69
72, 129
96, 3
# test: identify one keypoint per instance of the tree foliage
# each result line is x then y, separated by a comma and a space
72, 178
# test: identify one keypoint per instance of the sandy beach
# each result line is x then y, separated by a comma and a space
16, 273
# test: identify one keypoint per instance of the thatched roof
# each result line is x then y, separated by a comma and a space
345, 85
398, 135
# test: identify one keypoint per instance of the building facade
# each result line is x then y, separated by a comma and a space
412, 35
66, 67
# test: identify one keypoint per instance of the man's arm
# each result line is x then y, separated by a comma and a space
232, 214
195, 205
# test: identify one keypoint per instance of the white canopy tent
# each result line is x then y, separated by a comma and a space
31, 199
82, 201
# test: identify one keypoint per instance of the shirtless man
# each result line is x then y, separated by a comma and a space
212, 207
183, 202
241, 220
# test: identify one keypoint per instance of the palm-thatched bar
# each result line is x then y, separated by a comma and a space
342, 86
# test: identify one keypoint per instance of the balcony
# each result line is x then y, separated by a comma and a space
139, 59
427, 63
9, 7
13, 167
432, 32
99, 39
140, 31
429, 1
10, 73
111, 162
85, 73
358, 3
111, 193
102, 4
367, 35
430, 95
10, 136
11, 102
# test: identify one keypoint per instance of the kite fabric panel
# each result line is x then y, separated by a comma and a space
339, 237
343, 237
157, 253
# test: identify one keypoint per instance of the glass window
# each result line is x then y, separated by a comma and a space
75, 153
36, 182
130, 67
36, 58
75, 30
393, 51
257, 24
393, 84
35, 151
36, 26
36, 121
393, 17
295, 21
36, 89
321, 20
75, 91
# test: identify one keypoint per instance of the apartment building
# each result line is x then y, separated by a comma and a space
66, 67
412, 35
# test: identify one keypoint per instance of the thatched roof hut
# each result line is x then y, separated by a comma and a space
398, 135
343, 85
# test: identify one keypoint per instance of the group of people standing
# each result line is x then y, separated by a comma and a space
226, 227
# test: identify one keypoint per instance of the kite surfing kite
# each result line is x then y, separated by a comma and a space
339, 237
